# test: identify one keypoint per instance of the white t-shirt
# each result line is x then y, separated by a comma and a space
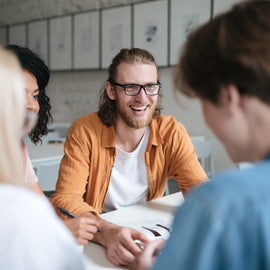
31, 234
129, 178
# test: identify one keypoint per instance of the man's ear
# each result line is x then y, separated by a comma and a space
231, 98
110, 91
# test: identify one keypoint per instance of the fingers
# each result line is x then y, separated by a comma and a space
89, 218
136, 235
121, 249
82, 241
119, 255
119, 244
132, 246
86, 234
153, 248
146, 259
83, 228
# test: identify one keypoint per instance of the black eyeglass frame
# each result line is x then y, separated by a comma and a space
124, 86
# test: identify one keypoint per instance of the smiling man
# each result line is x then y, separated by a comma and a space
122, 155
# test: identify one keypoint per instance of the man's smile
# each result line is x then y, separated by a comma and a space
138, 108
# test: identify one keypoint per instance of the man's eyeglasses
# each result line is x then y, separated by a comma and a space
150, 89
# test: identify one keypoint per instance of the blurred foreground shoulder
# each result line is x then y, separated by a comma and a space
32, 235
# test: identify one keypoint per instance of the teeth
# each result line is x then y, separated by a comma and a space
138, 108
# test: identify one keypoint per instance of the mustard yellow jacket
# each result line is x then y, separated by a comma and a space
90, 150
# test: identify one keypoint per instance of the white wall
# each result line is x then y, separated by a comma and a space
76, 93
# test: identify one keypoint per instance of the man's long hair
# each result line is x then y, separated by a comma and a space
107, 107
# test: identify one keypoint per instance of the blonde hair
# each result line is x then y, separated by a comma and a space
12, 115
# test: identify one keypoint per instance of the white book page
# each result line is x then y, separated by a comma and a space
153, 228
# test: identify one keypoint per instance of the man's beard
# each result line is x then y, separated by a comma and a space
135, 122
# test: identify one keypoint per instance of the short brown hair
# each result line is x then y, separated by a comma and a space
107, 108
233, 48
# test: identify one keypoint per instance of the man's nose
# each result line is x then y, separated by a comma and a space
141, 95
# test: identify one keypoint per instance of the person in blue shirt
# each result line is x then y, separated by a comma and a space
225, 223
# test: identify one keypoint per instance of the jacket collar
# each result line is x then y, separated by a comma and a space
154, 134
108, 137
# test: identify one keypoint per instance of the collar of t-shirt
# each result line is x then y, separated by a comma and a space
129, 179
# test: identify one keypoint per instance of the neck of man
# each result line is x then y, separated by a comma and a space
259, 133
128, 138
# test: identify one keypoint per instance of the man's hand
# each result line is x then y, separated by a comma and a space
83, 227
119, 242
146, 259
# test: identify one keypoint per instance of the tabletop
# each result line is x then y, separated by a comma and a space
161, 208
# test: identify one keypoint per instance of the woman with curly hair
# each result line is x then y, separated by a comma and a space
36, 75
32, 236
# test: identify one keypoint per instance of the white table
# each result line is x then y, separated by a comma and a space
94, 254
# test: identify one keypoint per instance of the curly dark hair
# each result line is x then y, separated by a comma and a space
35, 65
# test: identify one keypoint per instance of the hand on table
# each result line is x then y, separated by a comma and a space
146, 259
83, 227
119, 242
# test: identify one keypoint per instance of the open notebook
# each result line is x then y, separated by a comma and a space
152, 228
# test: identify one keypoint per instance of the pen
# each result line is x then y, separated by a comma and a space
67, 213
164, 227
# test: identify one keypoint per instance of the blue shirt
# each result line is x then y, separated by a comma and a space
224, 224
